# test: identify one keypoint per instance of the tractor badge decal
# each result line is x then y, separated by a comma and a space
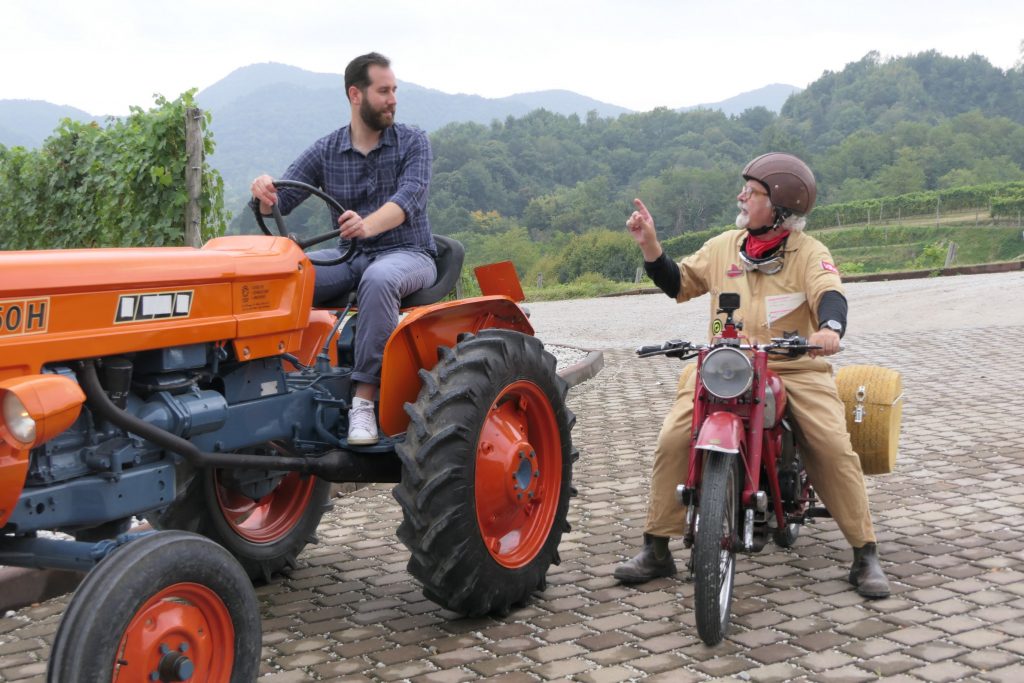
134, 308
24, 316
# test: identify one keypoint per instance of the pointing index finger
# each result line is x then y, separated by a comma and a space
642, 209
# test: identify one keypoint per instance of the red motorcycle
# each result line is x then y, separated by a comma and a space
746, 481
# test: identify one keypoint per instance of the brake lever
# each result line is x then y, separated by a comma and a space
793, 350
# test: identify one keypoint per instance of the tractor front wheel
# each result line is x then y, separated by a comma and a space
486, 473
170, 606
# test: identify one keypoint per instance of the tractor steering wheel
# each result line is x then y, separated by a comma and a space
316, 239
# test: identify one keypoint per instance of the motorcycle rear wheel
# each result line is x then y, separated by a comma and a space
714, 556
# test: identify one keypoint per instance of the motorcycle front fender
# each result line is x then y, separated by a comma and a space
723, 432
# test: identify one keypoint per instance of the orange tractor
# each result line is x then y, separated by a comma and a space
198, 389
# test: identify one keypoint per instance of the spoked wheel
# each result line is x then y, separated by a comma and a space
714, 558
170, 606
486, 473
265, 523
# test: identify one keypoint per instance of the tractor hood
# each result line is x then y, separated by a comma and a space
252, 291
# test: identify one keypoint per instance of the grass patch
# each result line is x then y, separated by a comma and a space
892, 248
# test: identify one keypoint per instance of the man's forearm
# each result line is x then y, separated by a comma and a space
664, 272
388, 217
833, 306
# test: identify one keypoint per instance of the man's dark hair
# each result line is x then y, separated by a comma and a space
357, 72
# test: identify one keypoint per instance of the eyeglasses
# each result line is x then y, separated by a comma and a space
747, 191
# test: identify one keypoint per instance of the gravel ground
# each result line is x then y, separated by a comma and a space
986, 302
566, 355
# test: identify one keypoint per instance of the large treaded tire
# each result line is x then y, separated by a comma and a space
170, 601
265, 540
486, 473
714, 554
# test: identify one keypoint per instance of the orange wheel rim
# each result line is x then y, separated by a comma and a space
271, 517
518, 474
183, 633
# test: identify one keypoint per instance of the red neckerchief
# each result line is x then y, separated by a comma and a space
756, 248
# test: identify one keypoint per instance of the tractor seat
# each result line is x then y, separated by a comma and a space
450, 254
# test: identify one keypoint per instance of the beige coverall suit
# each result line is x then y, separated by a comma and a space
770, 305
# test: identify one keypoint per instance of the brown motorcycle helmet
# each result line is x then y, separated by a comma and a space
789, 181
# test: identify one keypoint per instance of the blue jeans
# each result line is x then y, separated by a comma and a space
383, 280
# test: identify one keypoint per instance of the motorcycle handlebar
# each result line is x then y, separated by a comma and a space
669, 348
791, 346
644, 350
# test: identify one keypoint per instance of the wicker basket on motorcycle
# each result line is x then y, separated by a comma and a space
873, 397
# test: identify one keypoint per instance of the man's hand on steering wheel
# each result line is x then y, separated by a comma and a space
263, 189
260, 191
352, 226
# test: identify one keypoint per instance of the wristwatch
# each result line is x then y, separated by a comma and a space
833, 325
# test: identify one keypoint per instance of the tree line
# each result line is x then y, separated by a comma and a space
552, 192
550, 187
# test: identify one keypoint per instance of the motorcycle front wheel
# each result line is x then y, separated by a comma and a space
714, 557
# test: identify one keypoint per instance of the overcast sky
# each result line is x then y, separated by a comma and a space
106, 55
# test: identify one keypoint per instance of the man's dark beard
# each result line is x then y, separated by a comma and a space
374, 120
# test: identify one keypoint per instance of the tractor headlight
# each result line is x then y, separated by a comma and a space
36, 408
17, 420
726, 372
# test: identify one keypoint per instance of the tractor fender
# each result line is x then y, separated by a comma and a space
415, 342
723, 432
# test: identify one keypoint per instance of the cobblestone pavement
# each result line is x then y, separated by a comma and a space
950, 522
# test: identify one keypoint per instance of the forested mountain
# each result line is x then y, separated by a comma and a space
771, 97
878, 127
540, 185
265, 114
923, 88
27, 123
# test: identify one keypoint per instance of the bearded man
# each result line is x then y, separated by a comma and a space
788, 283
379, 171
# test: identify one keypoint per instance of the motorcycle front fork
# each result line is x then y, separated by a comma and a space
747, 541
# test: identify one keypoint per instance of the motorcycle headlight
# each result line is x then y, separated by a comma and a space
726, 372
19, 423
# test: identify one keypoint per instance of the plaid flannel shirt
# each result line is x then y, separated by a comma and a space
396, 170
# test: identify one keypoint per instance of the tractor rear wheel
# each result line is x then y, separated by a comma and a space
265, 530
486, 473
170, 606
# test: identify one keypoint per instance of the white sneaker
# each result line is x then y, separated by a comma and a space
362, 423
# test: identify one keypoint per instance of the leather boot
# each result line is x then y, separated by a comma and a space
652, 562
866, 573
